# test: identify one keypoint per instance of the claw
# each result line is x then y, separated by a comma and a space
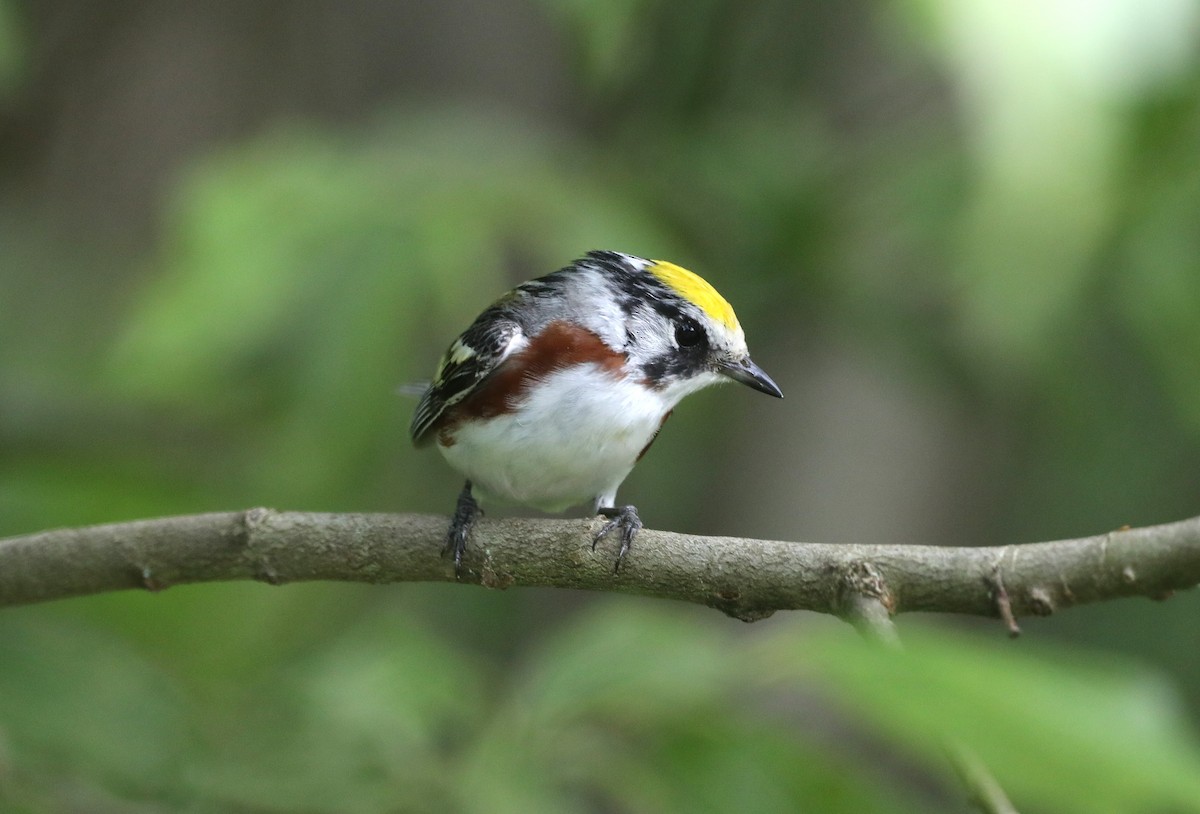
626, 519
466, 512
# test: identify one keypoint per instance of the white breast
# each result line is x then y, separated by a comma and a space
574, 439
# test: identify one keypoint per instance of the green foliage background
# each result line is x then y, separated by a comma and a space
962, 237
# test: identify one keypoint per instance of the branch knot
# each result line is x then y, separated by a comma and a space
862, 579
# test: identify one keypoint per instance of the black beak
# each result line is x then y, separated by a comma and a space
746, 372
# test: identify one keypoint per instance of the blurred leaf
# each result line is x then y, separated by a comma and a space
363, 725
302, 240
1067, 734
590, 668
82, 704
651, 708
221, 638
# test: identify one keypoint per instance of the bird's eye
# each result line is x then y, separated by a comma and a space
688, 333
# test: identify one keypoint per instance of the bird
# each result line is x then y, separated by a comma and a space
558, 389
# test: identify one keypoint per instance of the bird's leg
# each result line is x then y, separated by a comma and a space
624, 518
466, 512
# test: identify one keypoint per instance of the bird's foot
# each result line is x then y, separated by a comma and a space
466, 512
624, 518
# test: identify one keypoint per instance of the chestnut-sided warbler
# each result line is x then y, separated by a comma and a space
560, 386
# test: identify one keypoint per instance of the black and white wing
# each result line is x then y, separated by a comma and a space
468, 361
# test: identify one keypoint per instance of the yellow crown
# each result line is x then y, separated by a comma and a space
695, 289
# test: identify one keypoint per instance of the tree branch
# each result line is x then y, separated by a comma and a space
748, 579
